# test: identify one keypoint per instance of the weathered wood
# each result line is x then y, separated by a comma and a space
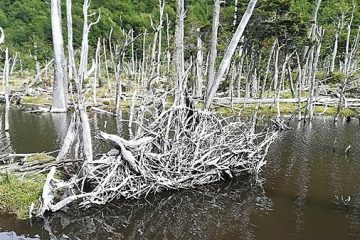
199, 64
69, 139
118, 143
99, 110
179, 53
213, 45
115, 140
60, 85
6, 76
229, 53
2, 35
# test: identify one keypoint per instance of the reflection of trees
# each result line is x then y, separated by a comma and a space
212, 212
60, 123
304, 178
13, 236
5, 148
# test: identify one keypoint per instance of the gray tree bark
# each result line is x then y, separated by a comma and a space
60, 87
199, 64
213, 45
179, 53
6, 74
230, 52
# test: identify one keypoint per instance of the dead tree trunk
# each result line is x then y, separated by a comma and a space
199, 64
313, 83
85, 41
6, 74
347, 46
60, 87
143, 68
153, 51
229, 52
299, 86
336, 43
168, 38
71, 56
276, 78
161, 8
97, 69
267, 69
349, 71
213, 45
2, 36
179, 54
235, 16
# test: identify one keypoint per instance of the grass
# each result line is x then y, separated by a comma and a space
285, 109
38, 100
16, 195
38, 157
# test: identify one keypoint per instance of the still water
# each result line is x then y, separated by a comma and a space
296, 199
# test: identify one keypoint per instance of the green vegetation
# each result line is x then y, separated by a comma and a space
38, 157
28, 29
17, 194
285, 109
38, 100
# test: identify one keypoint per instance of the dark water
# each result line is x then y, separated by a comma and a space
295, 201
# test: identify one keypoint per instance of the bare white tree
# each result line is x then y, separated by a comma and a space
179, 53
85, 41
71, 68
229, 53
60, 88
2, 38
199, 64
213, 45
6, 73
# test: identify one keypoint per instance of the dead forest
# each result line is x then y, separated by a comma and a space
177, 139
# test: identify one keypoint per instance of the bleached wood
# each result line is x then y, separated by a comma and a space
230, 52
60, 86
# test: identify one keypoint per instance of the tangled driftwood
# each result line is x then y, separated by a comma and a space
175, 149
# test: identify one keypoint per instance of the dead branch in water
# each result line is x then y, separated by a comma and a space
181, 148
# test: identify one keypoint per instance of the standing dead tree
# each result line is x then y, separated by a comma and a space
80, 123
97, 70
179, 54
60, 88
199, 64
213, 45
160, 27
349, 69
339, 27
2, 37
225, 63
6, 75
315, 36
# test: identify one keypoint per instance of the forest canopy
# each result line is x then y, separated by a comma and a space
26, 22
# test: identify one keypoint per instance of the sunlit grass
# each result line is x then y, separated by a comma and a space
16, 195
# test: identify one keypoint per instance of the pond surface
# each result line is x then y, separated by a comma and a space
296, 200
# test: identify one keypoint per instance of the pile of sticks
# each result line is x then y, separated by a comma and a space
178, 148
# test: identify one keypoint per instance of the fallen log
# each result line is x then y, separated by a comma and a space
99, 110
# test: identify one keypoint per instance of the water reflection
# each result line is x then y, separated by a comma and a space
305, 171
5, 147
12, 236
303, 176
220, 211
60, 125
